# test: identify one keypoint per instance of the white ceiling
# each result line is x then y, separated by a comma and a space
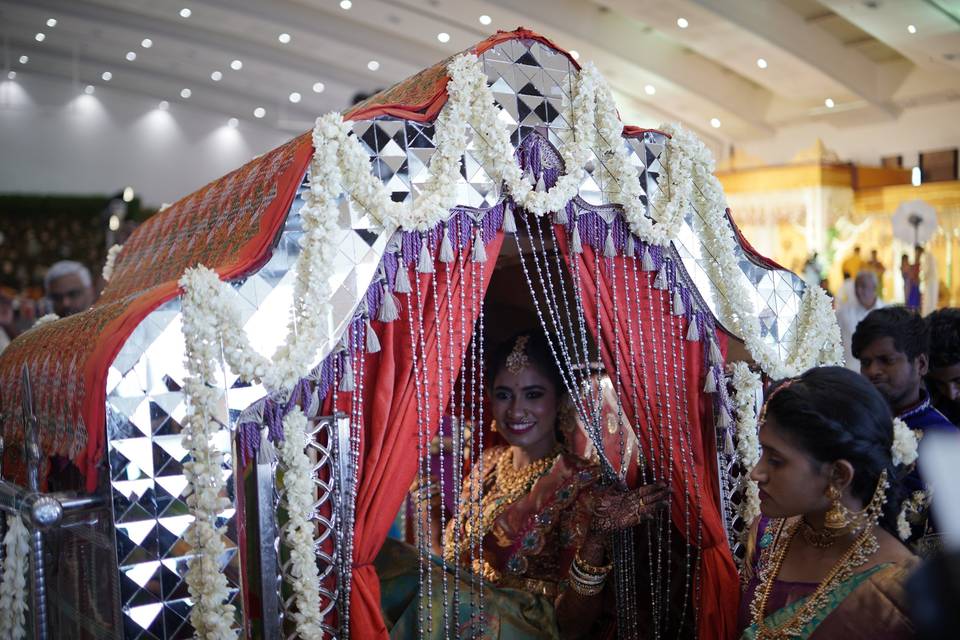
858, 53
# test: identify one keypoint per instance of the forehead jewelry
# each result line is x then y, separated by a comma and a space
517, 361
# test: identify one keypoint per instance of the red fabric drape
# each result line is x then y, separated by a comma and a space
720, 587
388, 450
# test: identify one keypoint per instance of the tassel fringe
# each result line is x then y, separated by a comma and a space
373, 342
710, 385
402, 282
609, 247
509, 222
576, 243
560, 217
446, 248
388, 307
646, 260
425, 264
678, 307
479, 252
661, 282
630, 250
693, 331
346, 378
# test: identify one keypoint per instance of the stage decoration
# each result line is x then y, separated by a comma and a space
748, 393
13, 580
108, 265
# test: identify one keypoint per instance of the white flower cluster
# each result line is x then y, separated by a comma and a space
817, 335
42, 320
299, 529
746, 386
112, 254
13, 587
904, 448
917, 504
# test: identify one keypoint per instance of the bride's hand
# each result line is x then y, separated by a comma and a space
614, 509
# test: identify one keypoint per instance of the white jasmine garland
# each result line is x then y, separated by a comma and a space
903, 527
746, 386
46, 319
298, 531
13, 580
904, 448
111, 260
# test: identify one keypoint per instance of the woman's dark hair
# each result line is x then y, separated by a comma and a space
834, 414
537, 350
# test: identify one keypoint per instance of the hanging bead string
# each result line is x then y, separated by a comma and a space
456, 424
358, 348
477, 272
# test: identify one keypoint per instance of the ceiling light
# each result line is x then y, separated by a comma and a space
216, 76
163, 106
185, 93
650, 89
761, 63
107, 76
911, 29
236, 65
373, 65
146, 43
40, 37
485, 19
916, 176
574, 54
715, 123
24, 59
443, 36
89, 89
829, 103
682, 23
131, 56
185, 13
259, 112
295, 97
345, 4
233, 123
11, 75
128, 194
51, 22
318, 87
114, 222
284, 38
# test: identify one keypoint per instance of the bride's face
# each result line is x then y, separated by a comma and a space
525, 407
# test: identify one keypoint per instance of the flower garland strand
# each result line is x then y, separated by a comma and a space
13, 588
298, 531
110, 262
746, 385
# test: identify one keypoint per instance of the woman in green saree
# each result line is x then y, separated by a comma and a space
539, 517
822, 562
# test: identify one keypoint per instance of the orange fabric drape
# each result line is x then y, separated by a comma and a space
720, 587
388, 449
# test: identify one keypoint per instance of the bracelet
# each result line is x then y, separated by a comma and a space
586, 578
590, 569
585, 590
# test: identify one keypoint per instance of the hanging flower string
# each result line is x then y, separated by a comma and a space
13, 588
746, 386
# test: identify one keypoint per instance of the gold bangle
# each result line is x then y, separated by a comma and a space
585, 589
591, 569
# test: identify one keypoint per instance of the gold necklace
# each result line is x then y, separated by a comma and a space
859, 552
820, 538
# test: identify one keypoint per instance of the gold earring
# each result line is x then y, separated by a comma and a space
493, 426
836, 516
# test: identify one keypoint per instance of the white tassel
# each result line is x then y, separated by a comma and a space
661, 282
693, 332
678, 307
479, 253
402, 283
346, 376
373, 342
716, 358
560, 216
728, 447
541, 185
267, 453
425, 264
710, 385
509, 222
576, 244
646, 260
629, 250
609, 248
446, 248
723, 421
388, 306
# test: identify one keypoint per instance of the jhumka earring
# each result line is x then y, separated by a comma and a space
493, 426
836, 516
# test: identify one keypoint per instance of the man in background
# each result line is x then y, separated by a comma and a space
943, 379
852, 311
69, 288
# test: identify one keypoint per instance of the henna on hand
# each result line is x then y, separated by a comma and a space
614, 509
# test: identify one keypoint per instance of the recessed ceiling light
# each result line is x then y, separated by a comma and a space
236, 65
89, 89
185, 13
649, 89
284, 38
373, 65
259, 112
146, 43
295, 97
830, 104
911, 29
345, 4
216, 76
233, 123
40, 37
24, 59
185, 93
51, 22
318, 87
485, 19
443, 36
131, 56
715, 123
761, 63
106, 76
11, 75
163, 106
574, 54
682, 23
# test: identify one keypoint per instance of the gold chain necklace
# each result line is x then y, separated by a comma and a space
821, 539
859, 552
